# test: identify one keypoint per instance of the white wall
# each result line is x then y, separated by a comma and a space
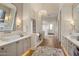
76, 17
27, 18
66, 15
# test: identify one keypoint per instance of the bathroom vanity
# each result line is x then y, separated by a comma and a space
70, 44
16, 45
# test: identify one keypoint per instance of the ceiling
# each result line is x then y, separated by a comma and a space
51, 8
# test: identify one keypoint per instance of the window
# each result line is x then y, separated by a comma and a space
51, 26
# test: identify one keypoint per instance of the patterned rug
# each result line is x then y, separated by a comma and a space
47, 51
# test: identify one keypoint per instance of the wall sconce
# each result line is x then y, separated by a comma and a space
7, 18
70, 21
18, 22
42, 12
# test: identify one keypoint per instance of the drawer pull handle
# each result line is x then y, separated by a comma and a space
17, 42
2, 48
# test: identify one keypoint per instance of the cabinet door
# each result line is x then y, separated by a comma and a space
19, 47
27, 44
11, 49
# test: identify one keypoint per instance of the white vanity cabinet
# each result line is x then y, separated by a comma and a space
27, 43
11, 49
8, 50
69, 46
19, 47
15, 48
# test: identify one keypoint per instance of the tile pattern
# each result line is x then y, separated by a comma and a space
50, 47
51, 41
47, 51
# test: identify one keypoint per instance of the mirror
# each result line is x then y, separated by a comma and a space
76, 17
7, 17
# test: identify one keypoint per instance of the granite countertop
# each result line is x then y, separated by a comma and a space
11, 40
72, 39
4, 40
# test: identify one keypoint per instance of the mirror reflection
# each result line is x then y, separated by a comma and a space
7, 17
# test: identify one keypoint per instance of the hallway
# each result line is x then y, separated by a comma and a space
44, 28
51, 41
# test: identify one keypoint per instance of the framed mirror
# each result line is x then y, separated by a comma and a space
76, 17
7, 17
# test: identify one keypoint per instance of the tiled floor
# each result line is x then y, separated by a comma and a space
50, 47
51, 41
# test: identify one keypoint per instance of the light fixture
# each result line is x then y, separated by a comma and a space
7, 18
42, 12
70, 20
18, 22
